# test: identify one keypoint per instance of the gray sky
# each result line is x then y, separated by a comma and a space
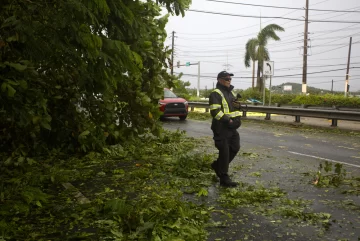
217, 40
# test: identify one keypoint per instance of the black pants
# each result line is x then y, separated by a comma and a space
228, 146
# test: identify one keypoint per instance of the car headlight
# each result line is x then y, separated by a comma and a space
162, 103
186, 103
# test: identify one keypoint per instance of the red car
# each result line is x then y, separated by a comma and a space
173, 105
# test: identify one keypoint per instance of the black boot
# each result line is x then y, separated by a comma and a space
214, 167
225, 181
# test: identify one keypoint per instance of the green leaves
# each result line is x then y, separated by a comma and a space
76, 69
16, 66
84, 134
202, 193
326, 178
75, 76
326, 100
117, 207
10, 90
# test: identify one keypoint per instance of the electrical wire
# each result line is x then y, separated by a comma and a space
314, 66
273, 17
333, 49
267, 6
278, 76
255, 25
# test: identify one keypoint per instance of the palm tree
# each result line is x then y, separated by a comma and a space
251, 55
256, 50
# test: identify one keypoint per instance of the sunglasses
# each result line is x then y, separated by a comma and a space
226, 79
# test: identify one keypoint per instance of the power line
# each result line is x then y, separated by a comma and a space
337, 30
276, 76
355, 34
314, 66
326, 19
318, 72
235, 52
335, 58
268, 6
333, 49
355, 8
251, 16
255, 25
284, 38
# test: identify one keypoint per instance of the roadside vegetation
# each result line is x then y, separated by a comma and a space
82, 153
322, 100
152, 188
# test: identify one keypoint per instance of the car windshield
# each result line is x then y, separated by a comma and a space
169, 94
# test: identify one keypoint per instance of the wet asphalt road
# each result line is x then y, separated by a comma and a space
283, 154
316, 146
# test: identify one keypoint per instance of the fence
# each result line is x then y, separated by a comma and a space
334, 114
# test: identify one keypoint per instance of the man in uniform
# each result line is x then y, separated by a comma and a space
226, 119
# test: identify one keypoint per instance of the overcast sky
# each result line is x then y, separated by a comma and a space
218, 41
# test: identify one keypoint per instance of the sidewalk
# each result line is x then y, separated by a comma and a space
342, 124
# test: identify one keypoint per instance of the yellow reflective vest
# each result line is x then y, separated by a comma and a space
224, 107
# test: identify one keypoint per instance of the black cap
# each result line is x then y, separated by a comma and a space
223, 74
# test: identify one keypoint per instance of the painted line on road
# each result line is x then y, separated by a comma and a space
346, 147
325, 159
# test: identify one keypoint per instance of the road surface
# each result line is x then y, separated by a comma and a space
288, 157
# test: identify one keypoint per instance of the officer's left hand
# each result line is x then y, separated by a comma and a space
236, 104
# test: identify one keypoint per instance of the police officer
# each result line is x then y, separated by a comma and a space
226, 119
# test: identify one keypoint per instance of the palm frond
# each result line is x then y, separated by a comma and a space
250, 51
269, 32
274, 27
247, 59
266, 54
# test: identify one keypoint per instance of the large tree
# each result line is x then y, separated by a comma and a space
74, 73
256, 50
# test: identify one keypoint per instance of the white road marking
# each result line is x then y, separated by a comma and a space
346, 147
325, 159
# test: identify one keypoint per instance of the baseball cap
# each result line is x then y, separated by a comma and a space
223, 74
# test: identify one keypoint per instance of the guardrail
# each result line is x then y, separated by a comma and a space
332, 114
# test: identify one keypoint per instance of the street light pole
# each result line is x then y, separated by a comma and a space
270, 92
172, 53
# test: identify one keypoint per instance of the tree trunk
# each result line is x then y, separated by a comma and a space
253, 75
258, 82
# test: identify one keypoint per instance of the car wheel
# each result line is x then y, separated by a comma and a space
162, 118
183, 117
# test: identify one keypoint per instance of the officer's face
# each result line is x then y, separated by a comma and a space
226, 81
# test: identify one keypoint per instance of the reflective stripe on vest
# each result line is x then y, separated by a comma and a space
225, 107
215, 106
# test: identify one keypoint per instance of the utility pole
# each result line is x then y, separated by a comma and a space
172, 53
304, 77
347, 69
332, 86
198, 83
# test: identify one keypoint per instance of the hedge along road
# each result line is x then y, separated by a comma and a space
289, 157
